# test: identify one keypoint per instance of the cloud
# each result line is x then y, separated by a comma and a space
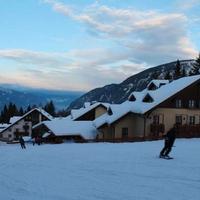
187, 4
140, 39
44, 59
59, 7
151, 36
86, 69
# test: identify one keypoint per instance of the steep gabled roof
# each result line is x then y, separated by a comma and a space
76, 113
42, 111
140, 107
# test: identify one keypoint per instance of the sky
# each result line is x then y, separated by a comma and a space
83, 44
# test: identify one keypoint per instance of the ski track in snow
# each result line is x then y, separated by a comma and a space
100, 171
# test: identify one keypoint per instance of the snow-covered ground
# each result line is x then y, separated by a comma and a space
103, 171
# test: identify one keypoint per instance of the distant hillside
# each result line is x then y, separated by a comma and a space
22, 96
117, 93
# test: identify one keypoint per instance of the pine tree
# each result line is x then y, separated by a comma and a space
5, 115
28, 108
177, 72
155, 75
196, 66
50, 108
21, 111
183, 73
1, 117
168, 76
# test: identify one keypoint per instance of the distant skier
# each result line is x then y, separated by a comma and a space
22, 143
169, 141
38, 140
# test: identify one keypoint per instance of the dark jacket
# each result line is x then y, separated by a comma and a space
21, 140
170, 136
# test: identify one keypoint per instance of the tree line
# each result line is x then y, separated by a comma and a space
180, 71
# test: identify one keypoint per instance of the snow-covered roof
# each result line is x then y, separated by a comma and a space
55, 119
14, 119
140, 107
76, 113
3, 126
42, 111
46, 135
69, 127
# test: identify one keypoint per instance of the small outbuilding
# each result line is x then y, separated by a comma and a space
64, 129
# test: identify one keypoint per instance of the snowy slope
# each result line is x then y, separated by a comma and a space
100, 171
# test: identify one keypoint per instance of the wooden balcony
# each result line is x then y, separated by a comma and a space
187, 131
157, 128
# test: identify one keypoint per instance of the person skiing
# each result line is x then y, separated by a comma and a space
38, 140
22, 143
169, 141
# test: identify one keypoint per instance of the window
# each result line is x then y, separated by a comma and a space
9, 135
26, 127
178, 103
191, 104
156, 119
192, 120
124, 132
179, 119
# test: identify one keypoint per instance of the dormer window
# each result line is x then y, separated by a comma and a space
178, 103
152, 86
148, 99
132, 98
109, 111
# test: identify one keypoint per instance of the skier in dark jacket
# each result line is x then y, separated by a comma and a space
22, 143
169, 141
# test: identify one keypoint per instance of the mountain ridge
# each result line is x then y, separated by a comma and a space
117, 93
24, 96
